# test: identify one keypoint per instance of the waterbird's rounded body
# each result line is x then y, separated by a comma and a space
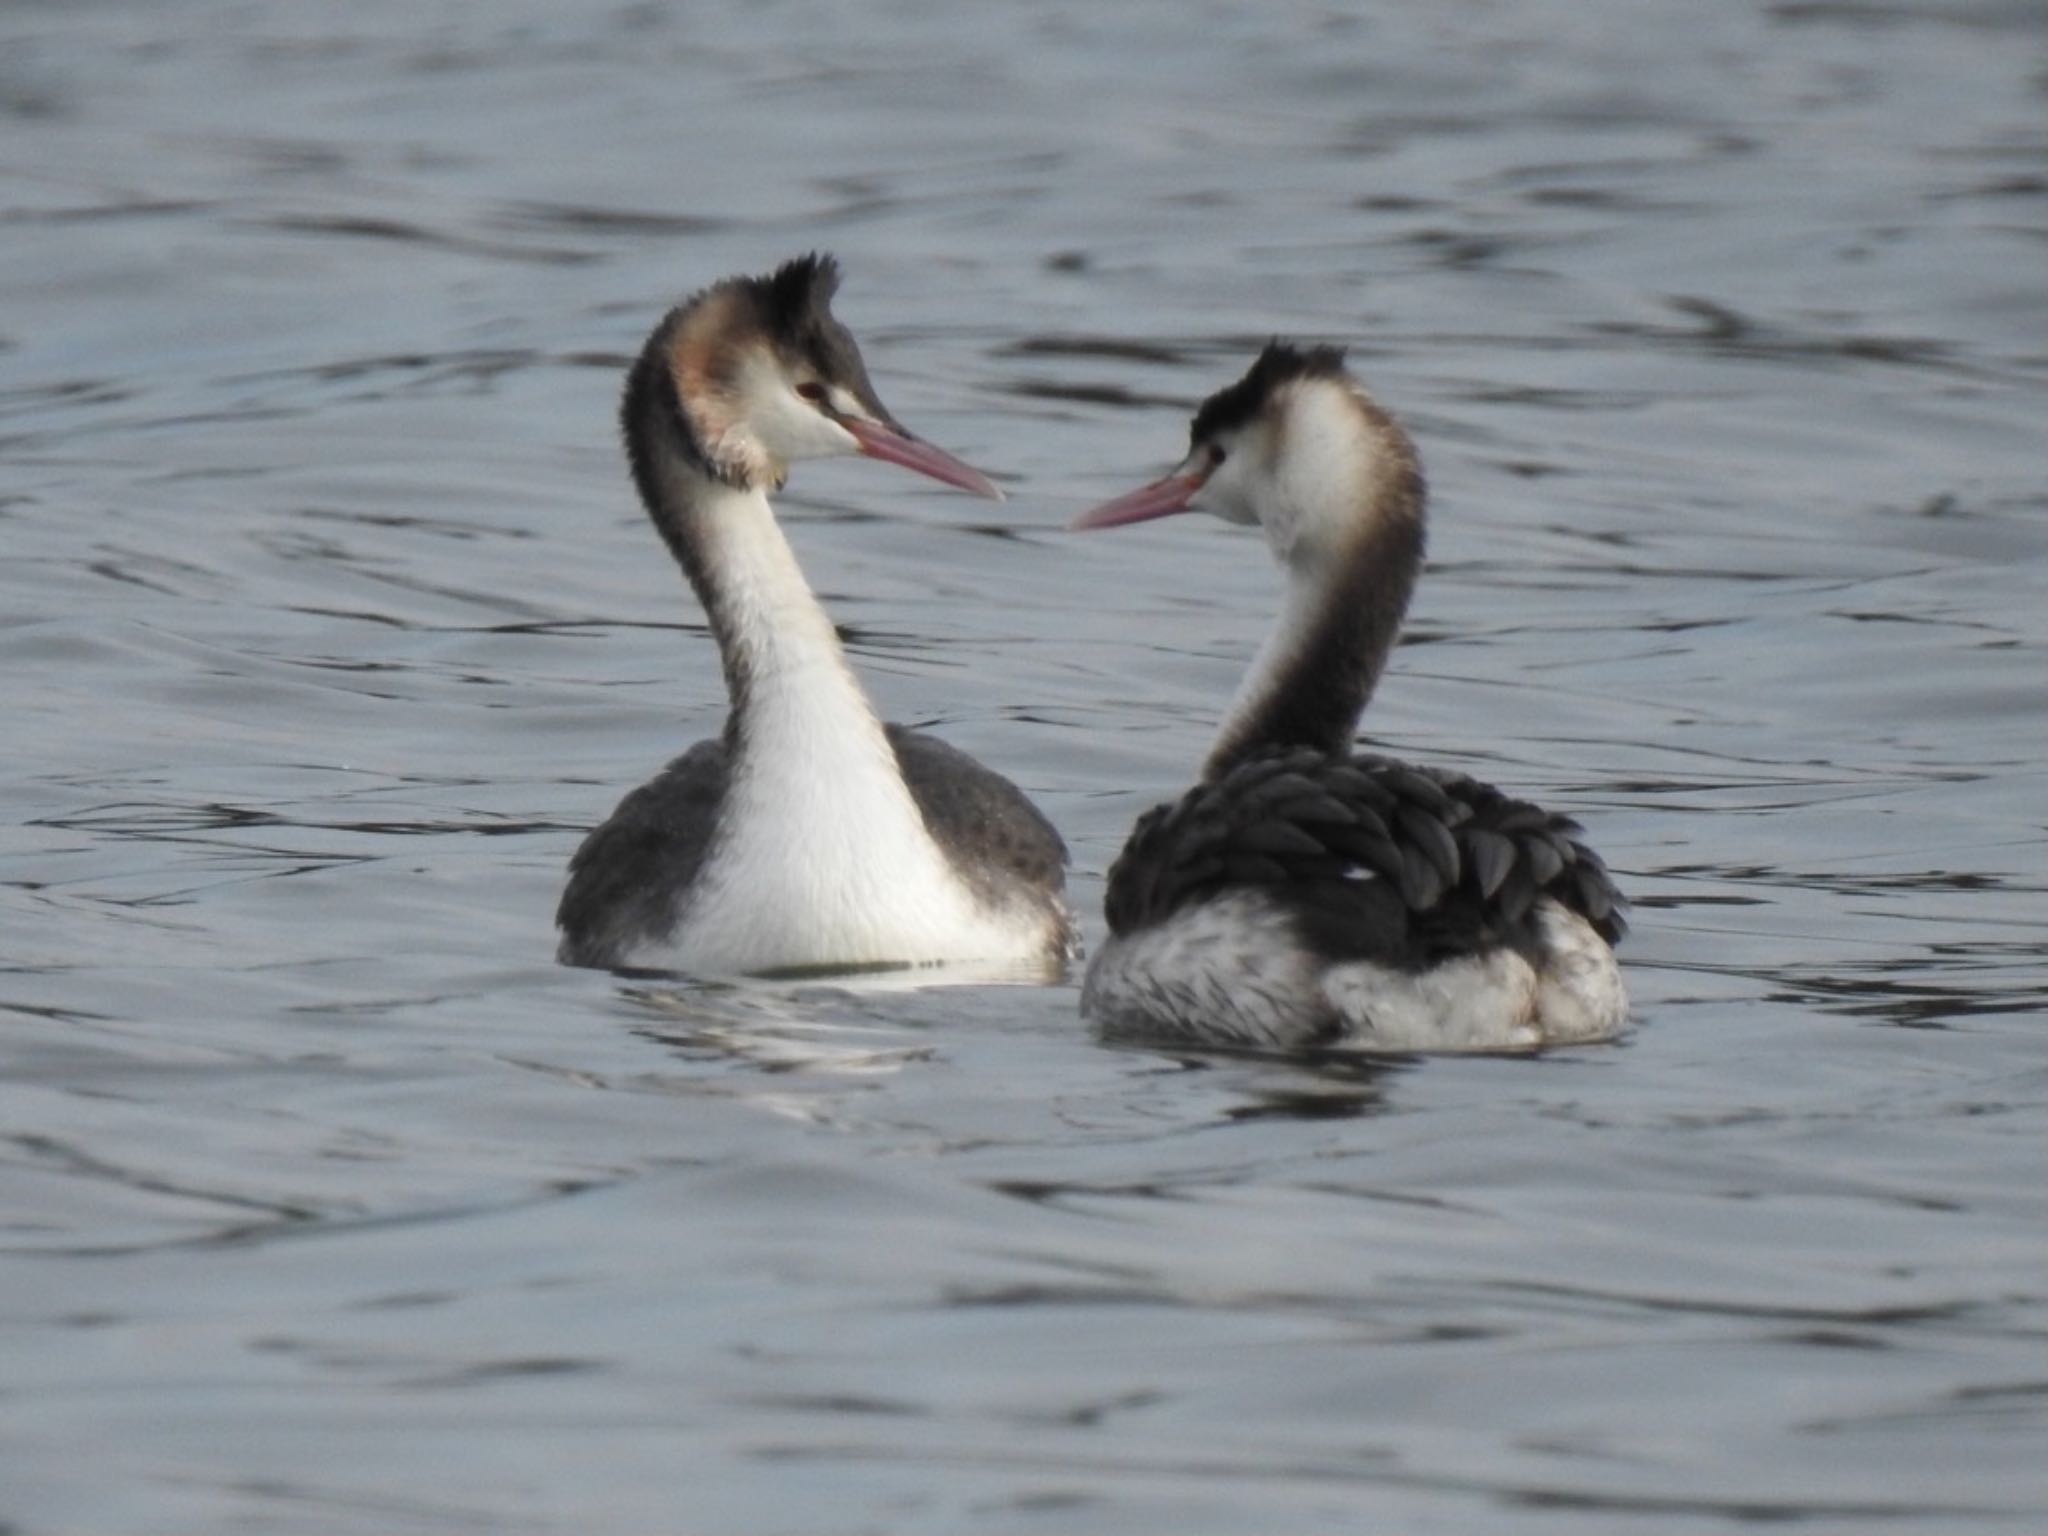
1303, 892
808, 835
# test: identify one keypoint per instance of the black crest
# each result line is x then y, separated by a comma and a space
793, 306
796, 297
1280, 363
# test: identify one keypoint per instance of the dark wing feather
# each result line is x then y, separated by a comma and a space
1543, 857
980, 820
1491, 857
1375, 858
627, 880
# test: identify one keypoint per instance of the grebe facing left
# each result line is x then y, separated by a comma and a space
809, 834
1304, 893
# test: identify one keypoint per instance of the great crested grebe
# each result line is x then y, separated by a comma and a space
808, 835
1304, 893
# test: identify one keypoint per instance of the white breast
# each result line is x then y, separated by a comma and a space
825, 861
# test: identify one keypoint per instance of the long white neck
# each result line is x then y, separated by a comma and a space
822, 856
1345, 518
1278, 668
796, 705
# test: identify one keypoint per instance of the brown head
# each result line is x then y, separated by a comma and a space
755, 373
1297, 448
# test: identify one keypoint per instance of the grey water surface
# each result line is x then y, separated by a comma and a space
329, 1204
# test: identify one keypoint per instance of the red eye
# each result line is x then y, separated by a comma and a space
812, 391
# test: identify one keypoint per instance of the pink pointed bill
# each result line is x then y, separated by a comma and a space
1162, 498
893, 447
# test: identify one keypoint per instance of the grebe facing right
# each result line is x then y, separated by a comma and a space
808, 835
1304, 893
